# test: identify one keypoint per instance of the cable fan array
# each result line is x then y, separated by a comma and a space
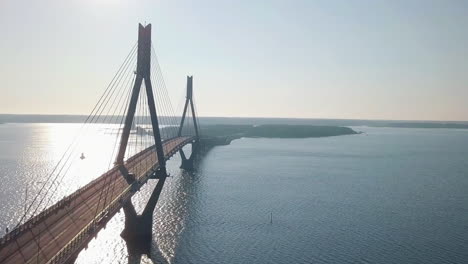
94, 146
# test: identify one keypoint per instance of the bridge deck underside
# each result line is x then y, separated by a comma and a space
39, 242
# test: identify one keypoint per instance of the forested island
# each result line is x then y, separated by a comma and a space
224, 134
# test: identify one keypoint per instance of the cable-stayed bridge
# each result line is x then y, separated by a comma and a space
136, 108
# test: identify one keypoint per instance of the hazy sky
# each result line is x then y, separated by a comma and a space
318, 59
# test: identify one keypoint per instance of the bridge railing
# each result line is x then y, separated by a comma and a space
19, 230
48, 211
88, 232
111, 209
98, 222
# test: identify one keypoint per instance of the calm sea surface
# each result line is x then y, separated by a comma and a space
389, 195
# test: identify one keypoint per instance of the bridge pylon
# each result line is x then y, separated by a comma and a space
187, 163
138, 228
143, 73
79, 217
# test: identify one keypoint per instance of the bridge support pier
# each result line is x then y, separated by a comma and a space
188, 163
138, 231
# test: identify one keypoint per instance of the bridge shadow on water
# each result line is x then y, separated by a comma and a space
177, 206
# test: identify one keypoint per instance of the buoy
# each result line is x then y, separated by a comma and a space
82, 156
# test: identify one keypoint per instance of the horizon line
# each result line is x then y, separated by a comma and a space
267, 117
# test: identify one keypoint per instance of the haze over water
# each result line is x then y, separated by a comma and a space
387, 196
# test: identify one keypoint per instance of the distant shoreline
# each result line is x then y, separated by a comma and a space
15, 118
425, 125
274, 131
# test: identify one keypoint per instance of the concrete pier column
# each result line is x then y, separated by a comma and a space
138, 228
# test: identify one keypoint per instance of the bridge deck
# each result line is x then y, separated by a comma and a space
54, 234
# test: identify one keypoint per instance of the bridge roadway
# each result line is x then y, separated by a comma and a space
62, 230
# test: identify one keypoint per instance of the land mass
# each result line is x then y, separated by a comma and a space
426, 125
21, 118
224, 134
